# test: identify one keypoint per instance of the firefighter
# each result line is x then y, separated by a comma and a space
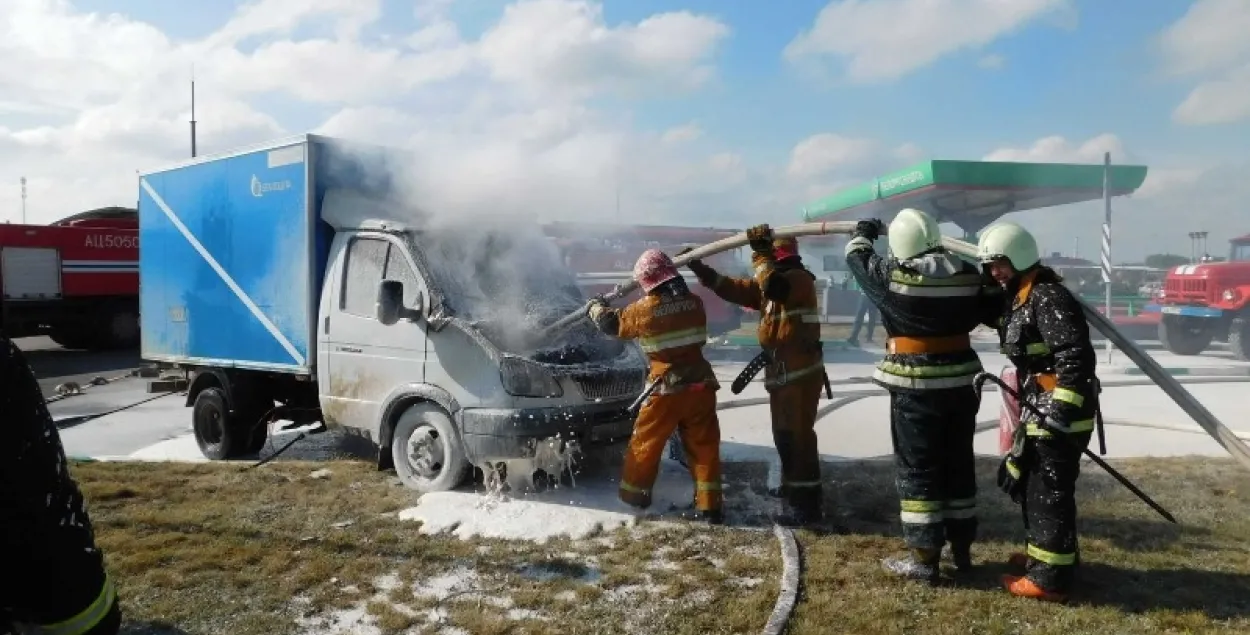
54, 579
670, 324
1044, 333
784, 292
930, 301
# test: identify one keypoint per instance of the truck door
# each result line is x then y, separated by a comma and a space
367, 359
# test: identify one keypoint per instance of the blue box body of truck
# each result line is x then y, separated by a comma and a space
234, 252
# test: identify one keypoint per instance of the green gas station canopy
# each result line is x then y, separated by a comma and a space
973, 194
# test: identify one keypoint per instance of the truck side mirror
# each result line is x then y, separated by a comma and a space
390, 301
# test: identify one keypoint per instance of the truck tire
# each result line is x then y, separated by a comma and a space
1239, 337
1180, 339
220, 435
121, 330
426, 450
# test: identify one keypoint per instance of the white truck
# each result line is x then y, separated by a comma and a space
293, 283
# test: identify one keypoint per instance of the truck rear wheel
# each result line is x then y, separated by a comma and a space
1182, 337
1239, 337
221, 435
426, 450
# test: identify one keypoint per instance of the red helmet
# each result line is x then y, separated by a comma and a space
653, 269
784, 248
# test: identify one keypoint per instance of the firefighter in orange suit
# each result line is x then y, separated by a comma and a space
671, 326
784, 292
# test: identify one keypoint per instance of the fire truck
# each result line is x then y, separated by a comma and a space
1207, 301
602, 256
75, 280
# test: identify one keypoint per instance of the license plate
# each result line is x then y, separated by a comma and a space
1174, 310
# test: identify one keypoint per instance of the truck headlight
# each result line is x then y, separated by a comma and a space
1230, 295
523, 378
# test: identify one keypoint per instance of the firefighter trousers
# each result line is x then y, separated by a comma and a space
1051, 467
935, 468
693, 414
793, 409
67, 591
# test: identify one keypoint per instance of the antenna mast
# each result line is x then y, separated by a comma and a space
193, 112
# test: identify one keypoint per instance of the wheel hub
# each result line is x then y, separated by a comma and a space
425, 452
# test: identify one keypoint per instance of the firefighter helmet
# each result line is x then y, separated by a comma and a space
786, 247
653, 269
912, 233
1011, 241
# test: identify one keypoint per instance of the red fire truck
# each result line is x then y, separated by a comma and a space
603, 256
1206, 301
75, 280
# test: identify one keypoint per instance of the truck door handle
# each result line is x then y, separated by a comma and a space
348, 349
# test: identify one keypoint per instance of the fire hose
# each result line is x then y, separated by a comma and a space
1187, 402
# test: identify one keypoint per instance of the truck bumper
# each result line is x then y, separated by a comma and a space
1187, 311
490, 434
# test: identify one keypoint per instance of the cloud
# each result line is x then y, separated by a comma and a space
993, 62
509, 122
1209, 43
1178, 196
1057, 149
682, 134
882, 40
822, 154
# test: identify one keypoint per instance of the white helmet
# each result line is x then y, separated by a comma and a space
912, 233
1010, 241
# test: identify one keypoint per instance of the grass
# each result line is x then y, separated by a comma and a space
214, 549
211, 548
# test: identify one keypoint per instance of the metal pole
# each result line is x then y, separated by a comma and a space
1106, 239
193, 114
23, 200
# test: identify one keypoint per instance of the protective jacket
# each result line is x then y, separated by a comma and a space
929, 305
671, 327
1045, 335
47, 534
785, 295
1044, 332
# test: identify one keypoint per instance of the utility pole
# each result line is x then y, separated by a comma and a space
23, 200
1106, 239
193, 112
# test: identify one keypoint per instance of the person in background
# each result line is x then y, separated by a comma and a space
670, 324
53, 578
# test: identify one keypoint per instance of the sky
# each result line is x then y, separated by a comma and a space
687, 112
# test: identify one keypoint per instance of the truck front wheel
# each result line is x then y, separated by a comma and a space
1183, 336
426, 450
221, 435
1239, 337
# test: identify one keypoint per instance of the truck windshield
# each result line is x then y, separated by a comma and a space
509, 282
1240, 253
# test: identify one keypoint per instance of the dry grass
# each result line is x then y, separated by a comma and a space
1140, 574
210, 548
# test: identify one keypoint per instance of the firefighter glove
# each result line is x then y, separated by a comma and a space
597, 306
1011, 477
761, 239
693, 263
869, 228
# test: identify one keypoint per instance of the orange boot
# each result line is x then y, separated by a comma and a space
1023, 587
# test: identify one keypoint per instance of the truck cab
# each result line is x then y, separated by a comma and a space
293, 283
1207, 301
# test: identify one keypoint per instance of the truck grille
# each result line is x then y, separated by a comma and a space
610, 384
1186, 285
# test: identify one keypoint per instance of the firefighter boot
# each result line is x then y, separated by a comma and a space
803, 507
1018, 561
1023, 587
920, 564
961, 555
712, 516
